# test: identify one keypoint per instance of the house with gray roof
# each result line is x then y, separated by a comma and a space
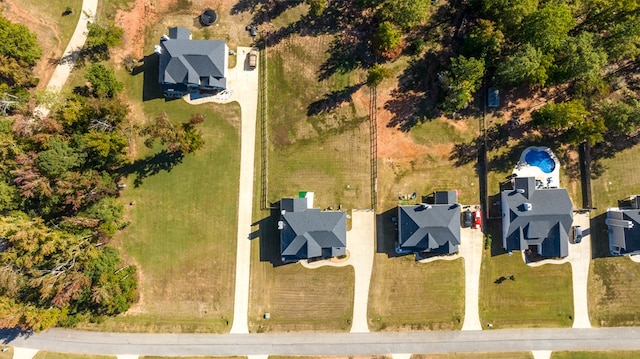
430, 227
186, 66
309, 233
623, 226
536, 218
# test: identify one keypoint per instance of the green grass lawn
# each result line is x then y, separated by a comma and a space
407, 295
537, 297
613, 354
54, 355
299, 299
510, 355
317, 143
613, 292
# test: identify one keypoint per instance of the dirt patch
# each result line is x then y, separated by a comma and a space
46, 33
393, 145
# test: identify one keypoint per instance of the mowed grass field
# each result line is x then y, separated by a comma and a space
317, 143
613, 281
55, 355
407, 295
510, 355
539, 297
613, 354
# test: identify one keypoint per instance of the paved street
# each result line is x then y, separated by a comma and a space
329, 343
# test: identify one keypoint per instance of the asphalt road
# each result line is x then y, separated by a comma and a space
328, 343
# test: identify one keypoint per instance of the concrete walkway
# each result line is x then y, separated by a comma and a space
70, 55
541, 354
471, 250
126, 356
242, 84
360, 246
579, 257
24, 353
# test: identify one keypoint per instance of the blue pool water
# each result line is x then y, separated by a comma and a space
540, 159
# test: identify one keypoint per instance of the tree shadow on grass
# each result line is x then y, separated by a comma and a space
333, 100
152, 165
269, 236
387, 232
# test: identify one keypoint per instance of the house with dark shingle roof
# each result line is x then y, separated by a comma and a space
536, 218
624, 228
432, 228
191, 66
309, 233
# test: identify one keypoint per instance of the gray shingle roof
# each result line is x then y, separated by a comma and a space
433, 228
532, 216
309, 232
198, 62
624, 229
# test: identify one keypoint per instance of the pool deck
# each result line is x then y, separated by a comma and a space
524, 169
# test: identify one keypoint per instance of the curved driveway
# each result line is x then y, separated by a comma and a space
329, 343
65, 65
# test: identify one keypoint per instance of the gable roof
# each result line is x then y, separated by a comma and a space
624, 228
310, 233
532, 216
434, 228
186, 61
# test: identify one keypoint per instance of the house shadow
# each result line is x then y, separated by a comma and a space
599, 236
151, 89
269, 236
387, 232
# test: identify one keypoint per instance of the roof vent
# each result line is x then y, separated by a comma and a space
164, 37
280, 224
425, 206
157, 49
520, 190
283, 212
528, 206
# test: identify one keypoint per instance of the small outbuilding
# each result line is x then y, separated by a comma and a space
208, 17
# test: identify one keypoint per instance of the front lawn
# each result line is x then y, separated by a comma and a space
539, 297
407, 295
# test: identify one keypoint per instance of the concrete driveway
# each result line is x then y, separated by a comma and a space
242, 84
471, 250
579, 257
360, 244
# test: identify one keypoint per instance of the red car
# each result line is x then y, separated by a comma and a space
477, 219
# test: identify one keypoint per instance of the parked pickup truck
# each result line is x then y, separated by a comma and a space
253, 58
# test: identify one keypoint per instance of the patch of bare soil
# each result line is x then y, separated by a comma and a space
46, 33
393, 144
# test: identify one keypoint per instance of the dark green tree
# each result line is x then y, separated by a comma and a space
527, 66
484, 40
377, 74
103, 81
461, 82
405, 14
387, 38
547, 28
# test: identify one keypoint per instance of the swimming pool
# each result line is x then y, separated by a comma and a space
540, 159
